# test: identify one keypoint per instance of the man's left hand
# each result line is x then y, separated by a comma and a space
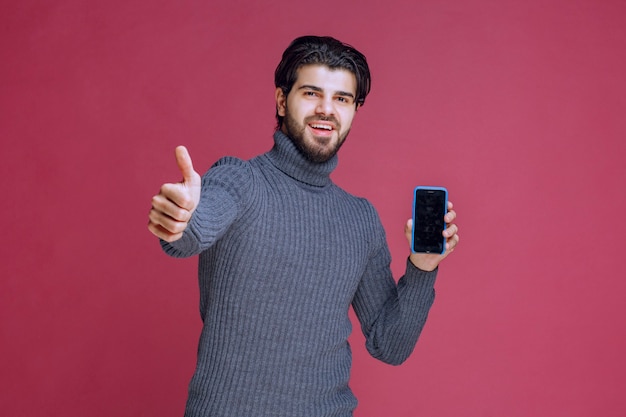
428, 261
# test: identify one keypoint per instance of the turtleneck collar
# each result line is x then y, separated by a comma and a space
287, 158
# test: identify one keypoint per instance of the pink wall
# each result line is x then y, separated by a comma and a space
517, 107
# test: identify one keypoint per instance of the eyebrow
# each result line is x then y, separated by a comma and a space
318, 89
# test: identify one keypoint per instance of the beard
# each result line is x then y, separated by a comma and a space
316, 150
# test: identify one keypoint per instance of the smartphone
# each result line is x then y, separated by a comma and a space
430, 205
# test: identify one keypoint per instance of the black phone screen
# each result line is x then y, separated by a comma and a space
429, 208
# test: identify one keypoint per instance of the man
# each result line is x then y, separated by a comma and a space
284, 253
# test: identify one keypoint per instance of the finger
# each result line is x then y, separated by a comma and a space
171, 207
166, 223
161, 233
450, 231
450, 205
178, 194
183, 159
452, 243
450, 216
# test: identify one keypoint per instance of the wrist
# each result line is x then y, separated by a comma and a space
424, 262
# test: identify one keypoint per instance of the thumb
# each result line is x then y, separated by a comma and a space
183, 159
408, 229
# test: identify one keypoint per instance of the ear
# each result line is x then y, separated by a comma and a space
281, 102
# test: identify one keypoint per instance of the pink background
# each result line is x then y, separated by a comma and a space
519, 108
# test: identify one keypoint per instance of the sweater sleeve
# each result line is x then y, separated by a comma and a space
392, 316
224, 188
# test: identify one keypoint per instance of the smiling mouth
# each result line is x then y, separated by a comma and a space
320, 126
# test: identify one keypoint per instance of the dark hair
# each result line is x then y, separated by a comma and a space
322, 50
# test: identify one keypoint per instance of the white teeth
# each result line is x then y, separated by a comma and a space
325, 127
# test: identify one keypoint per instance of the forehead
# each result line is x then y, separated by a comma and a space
329, 79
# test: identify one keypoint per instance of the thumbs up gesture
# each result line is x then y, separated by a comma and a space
173, 206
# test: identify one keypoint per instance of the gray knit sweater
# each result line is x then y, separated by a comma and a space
284, 252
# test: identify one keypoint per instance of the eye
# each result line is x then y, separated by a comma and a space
344, 99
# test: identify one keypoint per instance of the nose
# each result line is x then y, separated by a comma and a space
325, 106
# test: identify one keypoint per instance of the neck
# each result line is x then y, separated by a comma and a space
287, 158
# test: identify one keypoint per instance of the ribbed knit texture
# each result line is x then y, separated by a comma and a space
284, 252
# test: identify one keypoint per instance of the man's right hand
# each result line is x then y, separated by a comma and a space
173, 206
